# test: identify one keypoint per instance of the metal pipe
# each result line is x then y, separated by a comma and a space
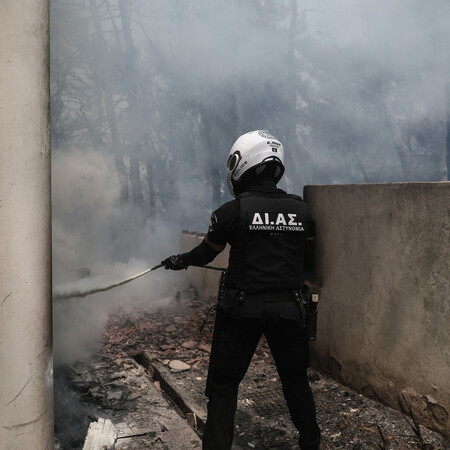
77, 290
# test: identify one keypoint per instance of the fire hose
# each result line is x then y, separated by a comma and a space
63, 292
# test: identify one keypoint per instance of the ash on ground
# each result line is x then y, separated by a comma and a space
110, 384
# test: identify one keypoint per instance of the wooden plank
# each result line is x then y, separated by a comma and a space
196, 414
102, 435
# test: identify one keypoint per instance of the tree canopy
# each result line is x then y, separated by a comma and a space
357, 92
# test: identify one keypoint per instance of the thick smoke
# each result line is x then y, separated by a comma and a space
96, 243
357, 91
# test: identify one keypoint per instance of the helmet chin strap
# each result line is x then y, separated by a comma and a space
259, 170
277, 173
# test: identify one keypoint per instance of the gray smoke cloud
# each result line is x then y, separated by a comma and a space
92, 231
357, 91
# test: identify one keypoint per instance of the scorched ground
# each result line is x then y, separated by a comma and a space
104, 385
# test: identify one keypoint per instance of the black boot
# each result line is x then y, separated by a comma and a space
312, 446
309, 445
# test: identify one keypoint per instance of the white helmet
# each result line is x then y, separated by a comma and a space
254, 150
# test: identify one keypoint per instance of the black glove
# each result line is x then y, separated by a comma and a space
174, 262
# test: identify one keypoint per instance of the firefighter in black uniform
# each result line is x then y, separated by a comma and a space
271, 235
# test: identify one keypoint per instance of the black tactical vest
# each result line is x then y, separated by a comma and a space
267, 250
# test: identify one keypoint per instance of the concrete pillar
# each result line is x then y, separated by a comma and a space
26, 401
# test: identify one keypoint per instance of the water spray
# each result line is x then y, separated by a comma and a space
66, 291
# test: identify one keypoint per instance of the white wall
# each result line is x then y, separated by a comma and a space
26, 407
384, 277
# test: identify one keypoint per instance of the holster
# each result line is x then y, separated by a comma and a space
307, 301
230, 301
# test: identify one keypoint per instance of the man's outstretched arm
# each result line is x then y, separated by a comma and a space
204, 253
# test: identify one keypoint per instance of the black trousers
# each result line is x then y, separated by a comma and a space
235, 341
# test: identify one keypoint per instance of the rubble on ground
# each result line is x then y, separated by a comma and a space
144, 355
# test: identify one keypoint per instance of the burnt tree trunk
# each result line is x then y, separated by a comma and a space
107, 96
136, 114
151, 191
135, 178
398, 143
447, 128
214, 174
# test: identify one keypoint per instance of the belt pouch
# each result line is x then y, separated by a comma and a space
230, 301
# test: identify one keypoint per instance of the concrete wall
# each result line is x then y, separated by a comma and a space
26, 407
384, 280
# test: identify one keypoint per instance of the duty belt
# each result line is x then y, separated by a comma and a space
271, 296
